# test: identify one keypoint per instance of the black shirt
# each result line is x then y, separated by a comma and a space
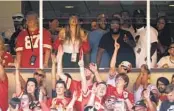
125, 53
167, 106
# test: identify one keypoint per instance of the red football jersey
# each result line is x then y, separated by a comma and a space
97, 102
7, 59
23, 45
4, 94
112, 91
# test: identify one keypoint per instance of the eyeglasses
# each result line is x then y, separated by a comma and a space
37, 74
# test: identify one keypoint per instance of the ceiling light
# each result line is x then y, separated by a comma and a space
171, 5
69, 6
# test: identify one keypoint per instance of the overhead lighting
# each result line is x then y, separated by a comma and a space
171, 5
69, 6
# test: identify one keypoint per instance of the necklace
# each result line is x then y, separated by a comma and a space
171, 60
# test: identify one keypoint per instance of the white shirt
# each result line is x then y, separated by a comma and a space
141, 46
69, 47
165, 61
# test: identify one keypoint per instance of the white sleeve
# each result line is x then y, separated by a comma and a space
161, 62
153, 35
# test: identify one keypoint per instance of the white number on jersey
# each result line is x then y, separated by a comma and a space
34, 39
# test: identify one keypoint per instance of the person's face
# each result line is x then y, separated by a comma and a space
161, 87
31, 21
170, 96
115, 26
139, 21
88, 74
73, 21
160, 24
120, 82
102, 23
94, 25
122, 69
125, 17
24, 101
31, 86
54, 24
171, 50
60, 89
109, 103
101, 90
39, 76
140, 108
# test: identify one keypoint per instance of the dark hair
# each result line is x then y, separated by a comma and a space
51, 20
124, 77
68, 75
169, 88
32, 13
88, 108
102, 83
36, 92
14, 102
61, 82
115, 19
163, 80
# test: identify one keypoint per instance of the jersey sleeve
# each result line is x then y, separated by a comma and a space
47, 39
20, 42
8, 59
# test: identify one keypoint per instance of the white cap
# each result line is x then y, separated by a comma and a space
126, 64
18, 17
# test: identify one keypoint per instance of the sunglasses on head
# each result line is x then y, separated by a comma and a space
36, 73
124, 67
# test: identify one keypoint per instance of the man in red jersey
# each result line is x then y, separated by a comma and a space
3, 89
27, 45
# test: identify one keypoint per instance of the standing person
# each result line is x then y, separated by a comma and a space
124, 38
167, 61
3, 89
73, 39
161, 84
18, 20
141, 40
54, 28
164, 35
94, 39
168, 105
27, 45
5, 57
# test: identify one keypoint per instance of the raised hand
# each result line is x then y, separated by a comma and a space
93, 67
81, 60
53, 58
116, 45
146, 94
125, 95
144, 68
16, 64
60, 52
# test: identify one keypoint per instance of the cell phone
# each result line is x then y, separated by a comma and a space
33, 60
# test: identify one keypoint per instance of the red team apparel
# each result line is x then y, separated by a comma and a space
4, 94
7, 59
112, 91
23, 45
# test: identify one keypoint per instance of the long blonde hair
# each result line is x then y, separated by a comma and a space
77, 31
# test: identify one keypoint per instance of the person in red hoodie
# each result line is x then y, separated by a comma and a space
3, 89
